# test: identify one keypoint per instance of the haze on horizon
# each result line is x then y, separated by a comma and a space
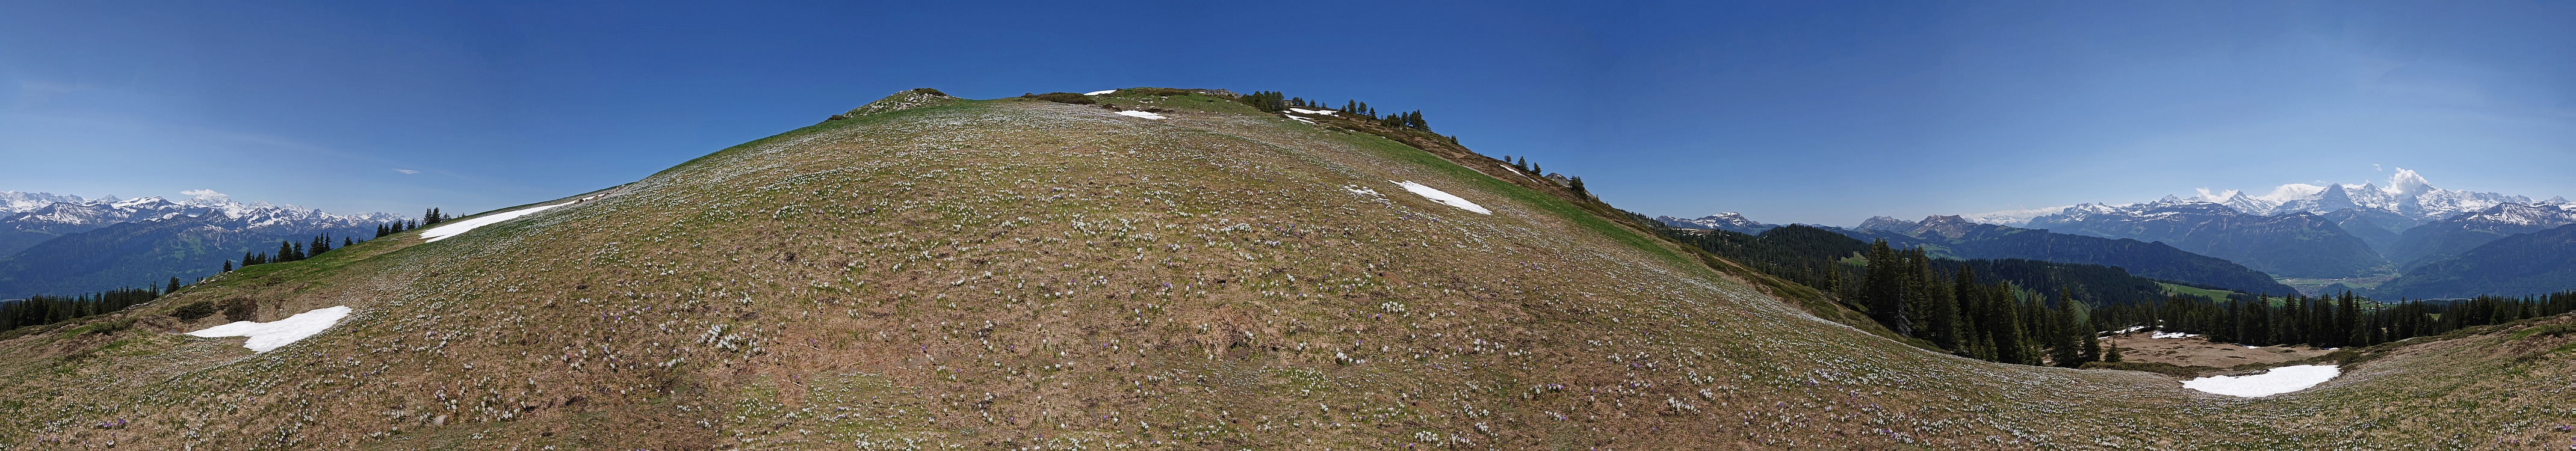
1810, 112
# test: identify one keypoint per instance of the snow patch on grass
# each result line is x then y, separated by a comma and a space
1140, 114
460, 227
1443, 197
1094, 93
1300, 119
274, 334
1314, 112
2174, 335
2279, 380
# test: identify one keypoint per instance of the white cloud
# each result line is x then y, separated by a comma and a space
207, 194
2219, 196
406, 171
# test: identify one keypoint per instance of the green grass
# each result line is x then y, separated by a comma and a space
2172, 289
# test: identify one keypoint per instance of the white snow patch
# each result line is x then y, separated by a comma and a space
1356, 189
460, 227
2174, 335
1094, 93
1140, 114
1300, 119
275, 334
1314, 112
1443, 197
2279, 380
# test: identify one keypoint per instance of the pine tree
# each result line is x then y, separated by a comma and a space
287, 252
1576, 183
174, 286
1884, 289
228, 266
321, 244
2004, 324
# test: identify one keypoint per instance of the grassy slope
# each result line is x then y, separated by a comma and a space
1013, 273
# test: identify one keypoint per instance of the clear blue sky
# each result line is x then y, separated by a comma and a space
1800, 111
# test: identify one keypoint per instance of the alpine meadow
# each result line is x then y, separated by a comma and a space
1160, 268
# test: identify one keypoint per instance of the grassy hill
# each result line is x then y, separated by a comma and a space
939, 273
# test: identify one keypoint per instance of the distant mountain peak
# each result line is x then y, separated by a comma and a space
1884, 223
1727, 221
2407, 194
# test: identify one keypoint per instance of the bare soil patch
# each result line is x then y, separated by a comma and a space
2199, 351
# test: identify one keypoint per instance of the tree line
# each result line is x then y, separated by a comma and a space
1274, 101
288, 251
2035, 312
2332, 321
41, 310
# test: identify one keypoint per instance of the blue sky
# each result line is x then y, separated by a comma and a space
1810, 111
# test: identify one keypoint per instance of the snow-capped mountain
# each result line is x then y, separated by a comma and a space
20, 201
2449, 237
2408, 194
70, 245
2295, 244
25, 223
1728, 221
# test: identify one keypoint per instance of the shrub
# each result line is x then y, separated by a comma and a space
2551, 330
1062, 97
194, 310
240, 309
929, 91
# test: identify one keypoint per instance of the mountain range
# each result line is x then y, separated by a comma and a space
1956, 236
1728, 221
2296, 244
2331, 231
2338, 236
59, 244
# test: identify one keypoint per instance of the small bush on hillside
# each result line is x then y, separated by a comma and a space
194, 310
1160, 91
929, 91
1062, 97
240, 309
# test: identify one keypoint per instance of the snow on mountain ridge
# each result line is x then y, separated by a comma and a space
73, 210
1728, 221
2407, 194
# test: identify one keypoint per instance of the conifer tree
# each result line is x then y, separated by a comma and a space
228, 266
174, 286
1884, 289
